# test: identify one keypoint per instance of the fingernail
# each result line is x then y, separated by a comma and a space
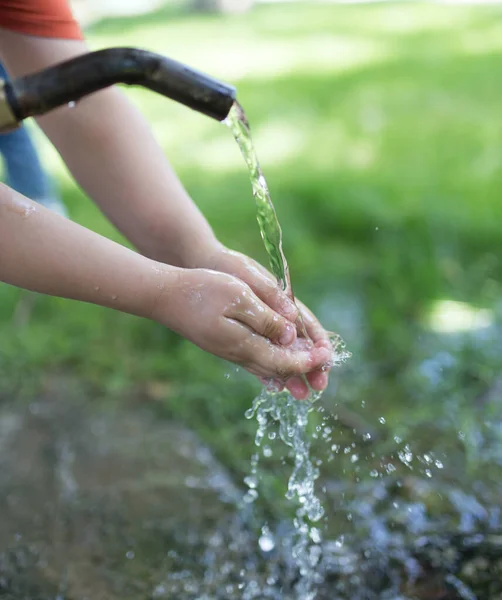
288, 337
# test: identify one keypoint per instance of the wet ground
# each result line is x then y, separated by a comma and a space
103, 502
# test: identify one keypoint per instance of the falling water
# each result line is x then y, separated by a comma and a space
270, 228
272, 408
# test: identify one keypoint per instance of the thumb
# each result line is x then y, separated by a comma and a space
264, 286
260, 317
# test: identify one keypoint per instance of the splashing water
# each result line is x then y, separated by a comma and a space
272, 407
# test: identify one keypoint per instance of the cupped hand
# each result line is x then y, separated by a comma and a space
265, 286
222, 315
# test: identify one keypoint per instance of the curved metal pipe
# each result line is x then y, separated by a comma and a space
38, 93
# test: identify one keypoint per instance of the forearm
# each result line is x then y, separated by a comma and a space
43, 252
111, 152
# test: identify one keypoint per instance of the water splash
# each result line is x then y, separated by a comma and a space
279, 407
274, 409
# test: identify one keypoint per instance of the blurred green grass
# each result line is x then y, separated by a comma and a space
379, 130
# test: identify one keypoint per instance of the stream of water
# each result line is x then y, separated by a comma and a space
278, 413
270, 228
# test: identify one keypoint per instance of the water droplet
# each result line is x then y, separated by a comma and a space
227, 376
96, 288
114, 297
72, 104
315, 535
28, 211
249, 414
266, 541
159, 591
382, 420
251, 481
130, 555
251, 496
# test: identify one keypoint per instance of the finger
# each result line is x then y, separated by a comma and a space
265, 359
272, 384
284, 363
259, 317
315, 330
298, 388
266, 288
318, 380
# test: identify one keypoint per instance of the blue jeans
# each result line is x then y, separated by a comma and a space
24, 171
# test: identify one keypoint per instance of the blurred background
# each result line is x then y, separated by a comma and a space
379, 130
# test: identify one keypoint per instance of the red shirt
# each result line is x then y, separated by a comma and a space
45, 18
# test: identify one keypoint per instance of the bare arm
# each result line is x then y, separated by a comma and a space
110, 150
46, 253
43, 252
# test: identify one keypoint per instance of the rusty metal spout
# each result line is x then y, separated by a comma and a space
39, 93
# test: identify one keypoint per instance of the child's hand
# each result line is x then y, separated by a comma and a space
266, 288
221, 315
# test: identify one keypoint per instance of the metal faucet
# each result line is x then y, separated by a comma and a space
67, 82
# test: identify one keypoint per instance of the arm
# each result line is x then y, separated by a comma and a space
112, 153
109, 148
46, 253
